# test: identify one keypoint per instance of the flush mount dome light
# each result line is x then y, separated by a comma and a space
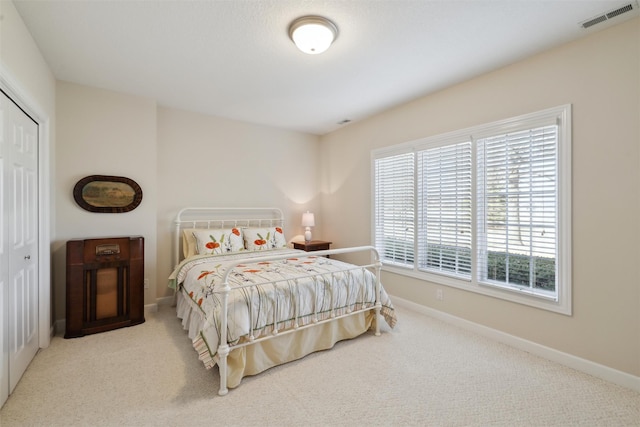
313, 34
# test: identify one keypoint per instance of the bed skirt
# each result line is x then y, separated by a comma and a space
258, 357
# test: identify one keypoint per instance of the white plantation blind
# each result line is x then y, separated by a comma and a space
517, 201
394, 208
445, 209
485, 209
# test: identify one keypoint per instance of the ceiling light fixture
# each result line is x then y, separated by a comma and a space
313, 34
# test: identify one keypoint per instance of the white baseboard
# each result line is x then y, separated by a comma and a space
166, 300
59, 326
597, 370
153, 308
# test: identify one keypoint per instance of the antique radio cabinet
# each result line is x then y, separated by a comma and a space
105, 284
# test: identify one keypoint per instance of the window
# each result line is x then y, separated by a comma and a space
444, 209
485, 209
517, 209
394, 207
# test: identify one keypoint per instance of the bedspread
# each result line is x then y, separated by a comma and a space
272, 296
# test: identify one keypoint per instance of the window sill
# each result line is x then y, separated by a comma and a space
514, 295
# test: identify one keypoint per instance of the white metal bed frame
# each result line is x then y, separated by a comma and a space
198, 217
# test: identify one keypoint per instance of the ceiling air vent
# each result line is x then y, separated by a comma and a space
609, 15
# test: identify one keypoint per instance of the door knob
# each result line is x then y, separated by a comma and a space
27, 257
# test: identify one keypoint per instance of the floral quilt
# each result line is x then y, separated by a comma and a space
270, 296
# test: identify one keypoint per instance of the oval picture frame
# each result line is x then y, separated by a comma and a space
107, 194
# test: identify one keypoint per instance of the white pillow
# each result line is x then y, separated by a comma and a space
257, 239
218, 241
189, 248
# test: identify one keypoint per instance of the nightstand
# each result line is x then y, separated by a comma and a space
313, 245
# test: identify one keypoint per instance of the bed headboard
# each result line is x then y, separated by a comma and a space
210, 217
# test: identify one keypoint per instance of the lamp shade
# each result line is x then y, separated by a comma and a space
313, 34
308, 219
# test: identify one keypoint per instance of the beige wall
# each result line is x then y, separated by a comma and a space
600, 76
179, 159
209, 161
21, 57
103, 133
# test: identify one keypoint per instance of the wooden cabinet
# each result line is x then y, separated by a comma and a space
105, 284
313, 245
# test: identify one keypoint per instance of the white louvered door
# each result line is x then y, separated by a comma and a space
18, 243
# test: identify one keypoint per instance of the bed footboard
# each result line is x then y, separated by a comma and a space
225, 289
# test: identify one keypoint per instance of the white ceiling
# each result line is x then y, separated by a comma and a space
233, 58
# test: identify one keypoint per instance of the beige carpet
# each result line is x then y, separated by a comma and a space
424, 372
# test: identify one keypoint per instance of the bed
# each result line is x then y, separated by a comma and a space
249, 302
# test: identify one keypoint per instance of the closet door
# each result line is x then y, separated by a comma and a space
18, 243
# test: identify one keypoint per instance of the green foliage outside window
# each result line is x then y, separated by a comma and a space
458, 260
519, 267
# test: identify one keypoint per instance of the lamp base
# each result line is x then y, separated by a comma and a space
307, 235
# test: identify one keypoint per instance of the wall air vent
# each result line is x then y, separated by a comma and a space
609, 15
594, 21
614, 13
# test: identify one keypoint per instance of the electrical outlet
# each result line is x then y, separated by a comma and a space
146, 283
439, 294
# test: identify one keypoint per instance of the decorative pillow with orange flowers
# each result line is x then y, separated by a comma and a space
258, 239
218, 241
